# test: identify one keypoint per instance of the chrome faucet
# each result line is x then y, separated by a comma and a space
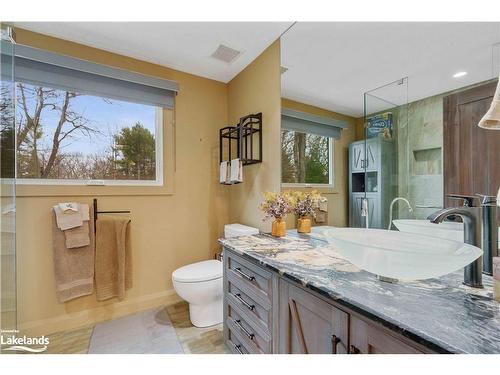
480, 230
410, 208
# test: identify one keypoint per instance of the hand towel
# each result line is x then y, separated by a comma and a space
79, 236
236, 171
113, 263
68, 207
223, 172
73, 269
67, 220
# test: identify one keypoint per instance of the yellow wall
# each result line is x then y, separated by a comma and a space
338, 197
168, 231
257, 89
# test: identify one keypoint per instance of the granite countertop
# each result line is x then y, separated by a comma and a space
442, 314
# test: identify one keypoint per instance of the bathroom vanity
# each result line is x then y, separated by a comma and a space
298, 295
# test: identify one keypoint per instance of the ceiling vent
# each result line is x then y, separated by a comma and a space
225, 53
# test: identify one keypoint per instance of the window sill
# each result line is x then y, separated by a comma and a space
323, 189
29, 190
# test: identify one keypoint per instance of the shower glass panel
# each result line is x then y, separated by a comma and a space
384, 157
7, 189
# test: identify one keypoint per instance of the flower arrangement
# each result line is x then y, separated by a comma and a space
305, 204
276, 205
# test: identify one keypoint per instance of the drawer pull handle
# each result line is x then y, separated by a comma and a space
240, 272
238, 349
335, 342
244, 330
246, 304
354, 350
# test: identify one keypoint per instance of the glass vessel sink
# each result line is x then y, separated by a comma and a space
448, 229
399, 255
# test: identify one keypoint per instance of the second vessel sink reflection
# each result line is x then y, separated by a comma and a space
398, 255
448, 229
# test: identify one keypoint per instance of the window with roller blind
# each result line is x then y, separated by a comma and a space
84, 123
307, 143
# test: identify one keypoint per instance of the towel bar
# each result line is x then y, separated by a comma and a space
97, 212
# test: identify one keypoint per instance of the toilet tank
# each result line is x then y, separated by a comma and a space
235, 230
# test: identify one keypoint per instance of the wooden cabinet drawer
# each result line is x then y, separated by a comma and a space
253, 310
251, 335
367, 339
235, 344
242, 272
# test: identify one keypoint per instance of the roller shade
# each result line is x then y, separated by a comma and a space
306, 123
38, 67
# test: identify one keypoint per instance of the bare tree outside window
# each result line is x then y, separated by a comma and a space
305, 158
69, 135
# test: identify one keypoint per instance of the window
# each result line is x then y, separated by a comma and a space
72, 137
80, 123
306, 158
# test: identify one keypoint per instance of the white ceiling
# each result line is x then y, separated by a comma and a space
331, 65
185, 46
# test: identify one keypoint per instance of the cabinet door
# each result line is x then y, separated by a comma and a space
374, 218
356, 202
372, 159
367, 339
357, 156
310, 325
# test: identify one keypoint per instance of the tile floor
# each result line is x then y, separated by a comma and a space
150, 331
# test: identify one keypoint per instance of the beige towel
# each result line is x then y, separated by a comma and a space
73, 269
113, 264
77, 237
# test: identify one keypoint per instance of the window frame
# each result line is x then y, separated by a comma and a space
331, 171
159, 167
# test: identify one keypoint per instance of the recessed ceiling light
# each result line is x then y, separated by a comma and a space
459, 74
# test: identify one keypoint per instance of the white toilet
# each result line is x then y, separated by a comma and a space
200, 284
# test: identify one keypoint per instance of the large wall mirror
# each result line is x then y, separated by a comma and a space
403, 101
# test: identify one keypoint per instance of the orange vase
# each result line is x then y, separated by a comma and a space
304, 225
279, 228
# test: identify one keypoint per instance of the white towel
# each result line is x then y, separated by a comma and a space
84, 211
67, 220
323, 204
68, 207
223, 172
71, 219
236, 171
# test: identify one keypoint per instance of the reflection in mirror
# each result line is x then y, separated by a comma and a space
411, 96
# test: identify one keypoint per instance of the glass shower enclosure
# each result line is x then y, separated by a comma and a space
8, 311
375, 162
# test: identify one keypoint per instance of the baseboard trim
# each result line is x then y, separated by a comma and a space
98, 314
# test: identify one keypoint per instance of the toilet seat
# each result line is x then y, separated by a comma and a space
198, 272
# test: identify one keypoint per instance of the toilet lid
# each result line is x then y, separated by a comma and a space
200, 271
